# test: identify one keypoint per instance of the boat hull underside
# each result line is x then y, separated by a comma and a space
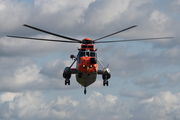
86, 79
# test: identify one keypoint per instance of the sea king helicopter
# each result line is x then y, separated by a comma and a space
86, 60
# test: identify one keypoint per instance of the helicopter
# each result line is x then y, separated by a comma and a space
86, 60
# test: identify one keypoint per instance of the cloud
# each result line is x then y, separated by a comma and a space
27, 48
128, 64
8, 96
87, 18
163, 106
12, 14
173, 78
33, 105
19, 74
135, 94
160, 80
172, 53
55, 68
81, 18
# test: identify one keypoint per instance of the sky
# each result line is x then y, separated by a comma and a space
145, 75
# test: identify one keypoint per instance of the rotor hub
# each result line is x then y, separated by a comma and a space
87, 41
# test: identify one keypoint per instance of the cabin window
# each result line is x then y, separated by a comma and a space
93, 54
82, 53
87, 53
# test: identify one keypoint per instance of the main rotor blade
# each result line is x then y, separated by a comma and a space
51, 33
44, 39
115, 33
134, 40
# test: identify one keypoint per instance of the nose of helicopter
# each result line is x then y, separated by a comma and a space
85, 65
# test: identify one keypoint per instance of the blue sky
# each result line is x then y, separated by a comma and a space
145, 74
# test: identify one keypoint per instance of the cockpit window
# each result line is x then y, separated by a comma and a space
84, 46
90, 46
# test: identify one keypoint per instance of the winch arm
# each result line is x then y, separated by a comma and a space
100, 63
105, 74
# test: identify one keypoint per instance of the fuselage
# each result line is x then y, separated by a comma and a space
86, 64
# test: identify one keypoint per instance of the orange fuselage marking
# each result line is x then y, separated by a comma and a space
85, 66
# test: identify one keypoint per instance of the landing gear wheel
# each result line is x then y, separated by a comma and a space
105, 83
85, 91
67, 82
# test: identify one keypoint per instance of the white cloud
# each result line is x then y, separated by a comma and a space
18, 74
27, 75
59, 6
33, 105
83, 17
9, 96
12, 14
24, 77
55, 68
66, 101
104, 13
163, 106
158, 18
